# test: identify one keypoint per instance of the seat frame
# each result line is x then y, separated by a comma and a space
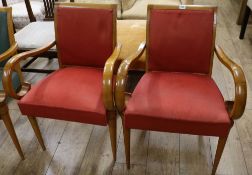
4, 111
234, 108
108, 91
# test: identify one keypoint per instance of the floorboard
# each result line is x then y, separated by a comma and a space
75, 148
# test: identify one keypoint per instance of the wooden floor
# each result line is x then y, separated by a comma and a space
74, 148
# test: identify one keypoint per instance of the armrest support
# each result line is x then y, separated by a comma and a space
108, 97
237, 107
12, 65
10, 52
121, 78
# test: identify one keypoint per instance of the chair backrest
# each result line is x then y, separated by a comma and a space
181, 38
85, 34
6, 30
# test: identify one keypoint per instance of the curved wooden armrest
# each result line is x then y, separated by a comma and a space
108, 97
10, 52
121, 78
236, 107
12, 64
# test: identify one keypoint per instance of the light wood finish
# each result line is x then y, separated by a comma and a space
10, 52
121, 78
108, 71
219, 151
4, 111
11, 65
237, 106
36, 129
5, 116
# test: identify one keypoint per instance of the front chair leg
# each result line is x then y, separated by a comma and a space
220, 147
126, 134
36, 129
112, 132
7, 121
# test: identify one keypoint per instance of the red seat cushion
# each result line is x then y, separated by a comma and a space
178, 102
73, 94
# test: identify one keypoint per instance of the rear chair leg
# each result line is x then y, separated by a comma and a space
7, 121
112, 132
36, 129
219, 151
126, 134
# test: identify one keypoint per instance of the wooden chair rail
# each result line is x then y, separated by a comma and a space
122, 75
11, 51
109, 67
238, 105
12, 64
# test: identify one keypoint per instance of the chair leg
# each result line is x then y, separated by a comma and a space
219, 151
7, 121
244, 22
112, 132
36, 129
126, 134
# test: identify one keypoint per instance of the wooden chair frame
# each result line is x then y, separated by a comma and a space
4, 111
108, 91
235, 108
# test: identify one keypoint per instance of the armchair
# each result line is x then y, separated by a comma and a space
82, 89
8, 48
177, 93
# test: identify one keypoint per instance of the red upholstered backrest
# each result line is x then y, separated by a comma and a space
180, 40
85, 36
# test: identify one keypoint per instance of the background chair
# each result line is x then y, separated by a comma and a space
245, 19
177, 93
37, 34
23, 14
8, 48
81, 90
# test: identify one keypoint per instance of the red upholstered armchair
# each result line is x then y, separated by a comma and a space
81, 90
177, 93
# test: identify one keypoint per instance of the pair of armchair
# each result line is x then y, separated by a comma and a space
176, 94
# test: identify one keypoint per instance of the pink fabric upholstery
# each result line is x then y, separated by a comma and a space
180, 40
73, 94
84, 36
178, 102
